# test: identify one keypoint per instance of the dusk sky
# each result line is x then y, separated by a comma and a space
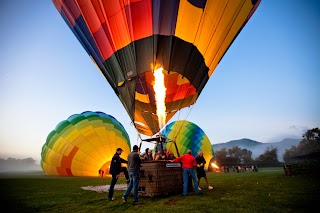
266, 87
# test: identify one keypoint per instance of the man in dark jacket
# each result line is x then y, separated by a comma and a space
200, 170
115, 170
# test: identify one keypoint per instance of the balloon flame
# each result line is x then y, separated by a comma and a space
214, 165
160, 96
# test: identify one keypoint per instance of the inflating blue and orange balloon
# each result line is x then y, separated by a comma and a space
129, 39
84, 144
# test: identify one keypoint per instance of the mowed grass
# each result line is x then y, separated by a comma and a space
268, 190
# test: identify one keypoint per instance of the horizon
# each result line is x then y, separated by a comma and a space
38, 160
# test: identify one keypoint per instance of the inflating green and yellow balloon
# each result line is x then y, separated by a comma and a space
83, 145
188, 135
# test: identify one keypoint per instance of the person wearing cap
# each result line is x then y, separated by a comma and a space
134, 163
115, 170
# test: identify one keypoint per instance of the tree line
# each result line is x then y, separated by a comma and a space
236, 156
13, 164
310, 143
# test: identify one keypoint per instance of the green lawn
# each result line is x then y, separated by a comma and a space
268, 190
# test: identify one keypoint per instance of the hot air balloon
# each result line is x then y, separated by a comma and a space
184, 135
83, 145
129, 40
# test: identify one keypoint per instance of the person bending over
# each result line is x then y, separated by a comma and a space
115, 170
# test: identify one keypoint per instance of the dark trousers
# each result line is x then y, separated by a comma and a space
112, 184
125, 172
115, 179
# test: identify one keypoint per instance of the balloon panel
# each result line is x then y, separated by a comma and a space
128, 40
83, 144
188, 135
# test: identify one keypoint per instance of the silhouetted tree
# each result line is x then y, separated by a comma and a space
221, 156
246, 156
310, 143
13, 164
270, 156
287, 156
233, 156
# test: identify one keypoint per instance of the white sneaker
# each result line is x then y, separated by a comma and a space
210, 187
199, 188
124, 199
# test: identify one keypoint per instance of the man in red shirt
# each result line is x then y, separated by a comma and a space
188, 163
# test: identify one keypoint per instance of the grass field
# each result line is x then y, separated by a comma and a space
268, 190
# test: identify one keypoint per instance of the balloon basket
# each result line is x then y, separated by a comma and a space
160, 179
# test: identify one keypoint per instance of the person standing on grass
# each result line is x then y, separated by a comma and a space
200, 170
134, 162
115, 170
188, 163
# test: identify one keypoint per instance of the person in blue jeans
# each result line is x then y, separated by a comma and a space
134, 162
188, 163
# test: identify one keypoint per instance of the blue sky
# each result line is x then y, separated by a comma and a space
266, 87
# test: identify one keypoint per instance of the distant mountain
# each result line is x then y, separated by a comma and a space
258, 148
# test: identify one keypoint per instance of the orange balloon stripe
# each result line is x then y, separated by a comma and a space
67, 161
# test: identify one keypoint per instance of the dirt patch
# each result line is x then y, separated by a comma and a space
105, 188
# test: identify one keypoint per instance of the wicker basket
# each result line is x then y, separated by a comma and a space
160, 178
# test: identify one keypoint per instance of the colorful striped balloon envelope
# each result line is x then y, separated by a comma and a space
129, 39
187, 136
83, 145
